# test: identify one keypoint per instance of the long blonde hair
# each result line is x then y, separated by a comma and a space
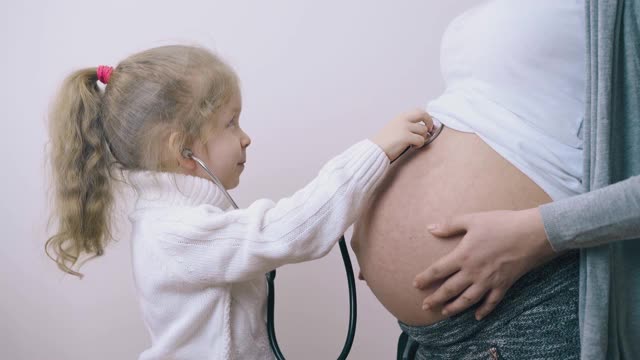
150, 95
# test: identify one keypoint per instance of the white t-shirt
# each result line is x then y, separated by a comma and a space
515, 76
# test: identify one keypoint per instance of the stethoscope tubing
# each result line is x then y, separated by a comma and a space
353, 303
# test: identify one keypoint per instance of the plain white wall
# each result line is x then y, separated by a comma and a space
316, 77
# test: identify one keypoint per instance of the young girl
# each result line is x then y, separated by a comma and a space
198, 266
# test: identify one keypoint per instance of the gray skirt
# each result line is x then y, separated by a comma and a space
537, 319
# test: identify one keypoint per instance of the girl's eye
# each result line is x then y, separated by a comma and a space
232, 123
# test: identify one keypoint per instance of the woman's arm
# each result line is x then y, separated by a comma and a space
605, 215
501, 246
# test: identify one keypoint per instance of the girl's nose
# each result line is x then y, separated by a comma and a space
246, 140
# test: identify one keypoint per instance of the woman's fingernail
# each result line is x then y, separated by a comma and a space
478, 317
426, 307
445, 312
415, 283
432, 227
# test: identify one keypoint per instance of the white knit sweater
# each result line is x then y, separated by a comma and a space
199, 267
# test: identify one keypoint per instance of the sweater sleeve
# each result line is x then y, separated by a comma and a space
214, 246
605, 215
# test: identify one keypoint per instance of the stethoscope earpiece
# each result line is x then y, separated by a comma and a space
187, 153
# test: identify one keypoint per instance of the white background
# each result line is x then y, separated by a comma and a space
317, 76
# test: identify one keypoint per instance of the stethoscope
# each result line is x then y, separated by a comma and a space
271, 276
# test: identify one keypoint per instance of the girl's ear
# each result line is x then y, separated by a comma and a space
186, 164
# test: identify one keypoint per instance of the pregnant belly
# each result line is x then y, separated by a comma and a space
457, 174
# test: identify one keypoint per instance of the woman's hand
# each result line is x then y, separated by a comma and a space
408, 129
497, 249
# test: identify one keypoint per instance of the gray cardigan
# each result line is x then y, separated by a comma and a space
605, 222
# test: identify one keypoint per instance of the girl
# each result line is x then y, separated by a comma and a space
198, 269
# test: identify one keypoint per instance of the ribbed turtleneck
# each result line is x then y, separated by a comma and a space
159, 189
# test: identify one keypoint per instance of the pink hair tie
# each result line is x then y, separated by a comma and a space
104, 73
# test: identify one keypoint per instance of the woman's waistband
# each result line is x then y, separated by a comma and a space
538, 286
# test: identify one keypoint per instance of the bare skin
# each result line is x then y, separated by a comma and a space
457, 174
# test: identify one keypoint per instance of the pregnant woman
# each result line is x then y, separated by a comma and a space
513, 109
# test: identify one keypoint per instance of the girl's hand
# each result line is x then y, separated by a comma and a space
498, 247
404, 131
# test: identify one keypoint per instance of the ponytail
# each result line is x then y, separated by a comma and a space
80, 164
